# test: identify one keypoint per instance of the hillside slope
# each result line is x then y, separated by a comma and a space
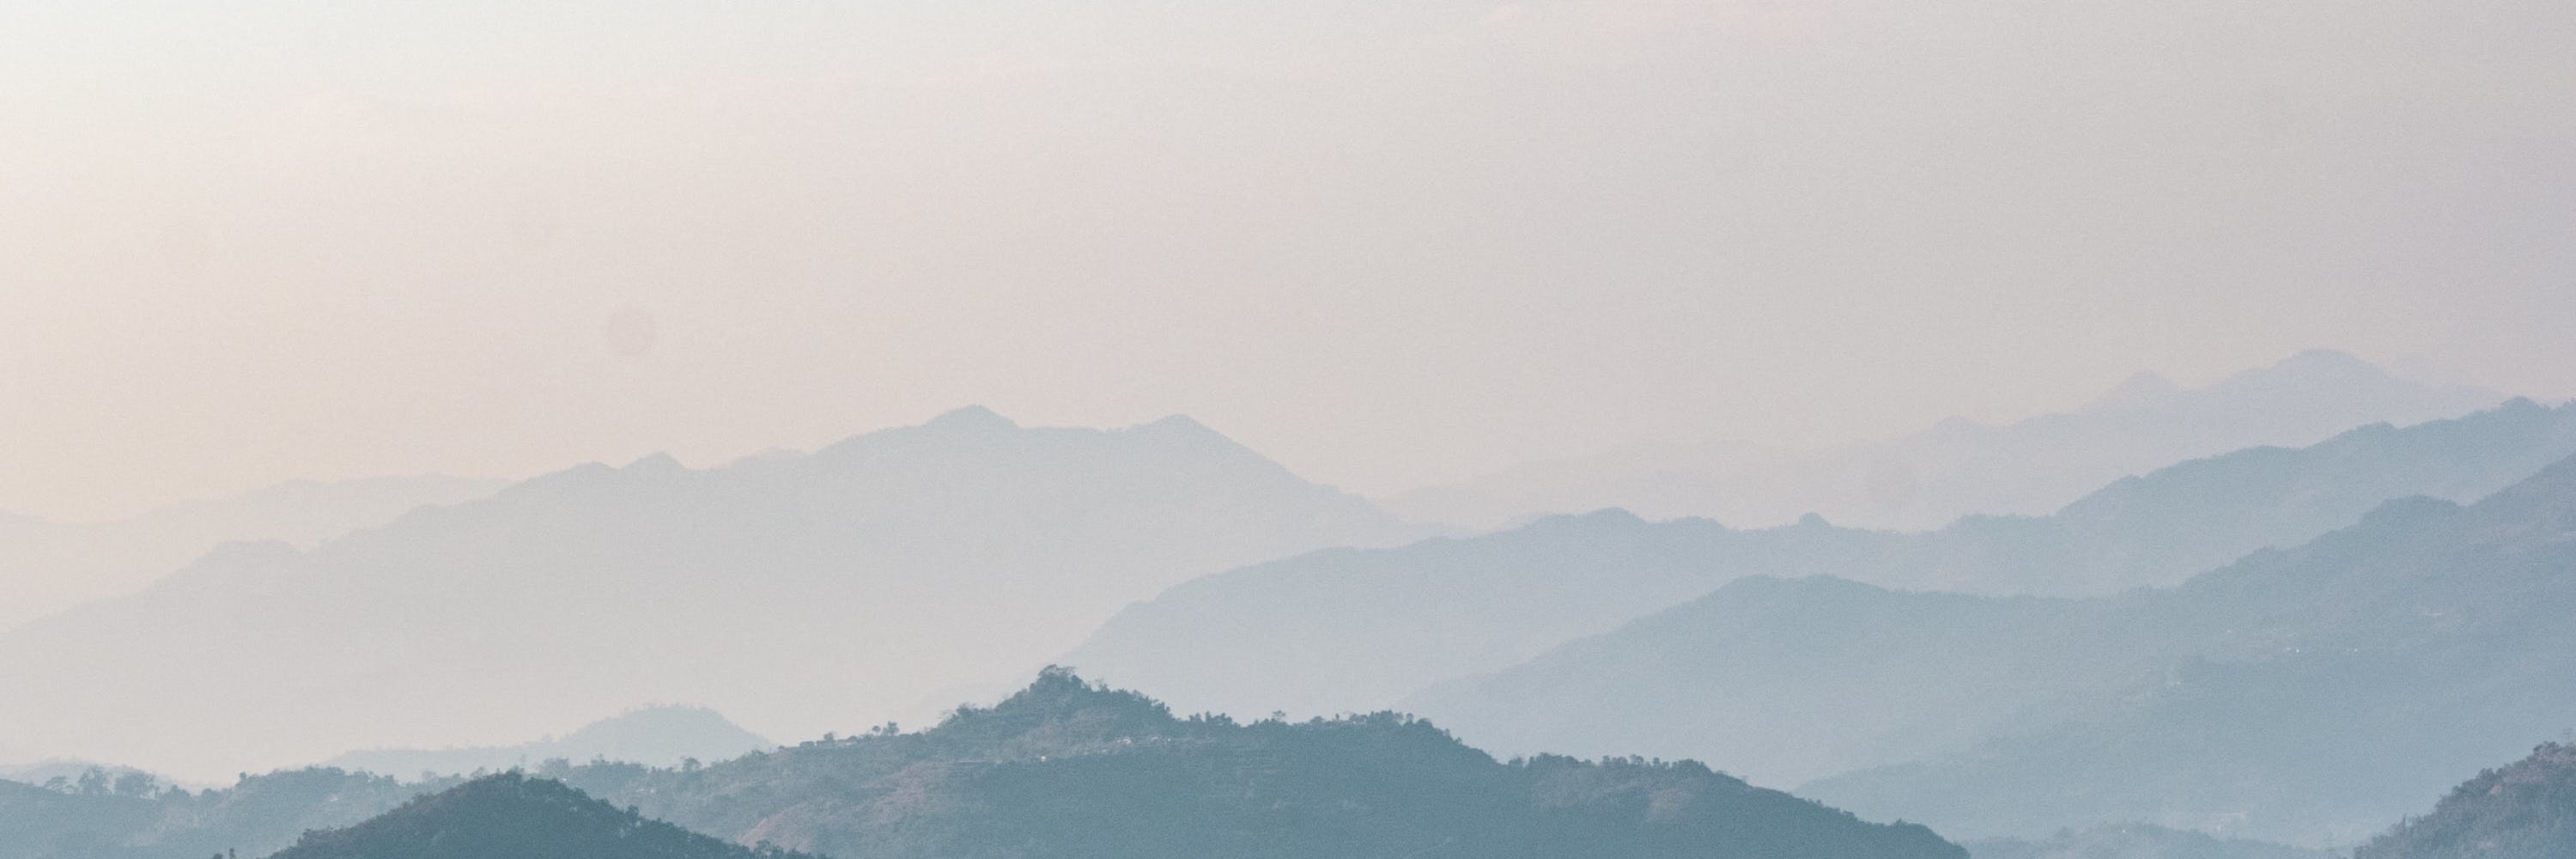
2524, 810
1358, 630
46, 567
511, 816
2431, 634
1068, 769
654, 736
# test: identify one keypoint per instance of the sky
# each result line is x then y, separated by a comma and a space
1387, 244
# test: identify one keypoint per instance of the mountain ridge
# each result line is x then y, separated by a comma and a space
734, 583
1959, 467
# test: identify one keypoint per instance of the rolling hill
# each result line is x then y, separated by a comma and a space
1068, 769
1061, 769
511, 816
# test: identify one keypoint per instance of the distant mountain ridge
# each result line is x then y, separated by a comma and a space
1959, 467
1354, 630
654, 736
47, 567
897, 565
2429, 634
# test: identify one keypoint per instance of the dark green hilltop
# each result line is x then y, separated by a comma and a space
512, 816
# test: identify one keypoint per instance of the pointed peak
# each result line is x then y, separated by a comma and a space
1814, 520
971, 419
656, 461
1179, 424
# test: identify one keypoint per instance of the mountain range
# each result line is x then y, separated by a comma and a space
47, 567
1960, 467
2299, 695
887, 576
1342, 629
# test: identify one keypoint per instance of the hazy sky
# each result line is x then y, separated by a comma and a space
1387, 244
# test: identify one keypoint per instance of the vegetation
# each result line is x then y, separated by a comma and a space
258, 815
1069, 769
1064, 768
2524, 811
512, 816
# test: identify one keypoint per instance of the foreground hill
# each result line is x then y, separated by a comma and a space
47, 567
1061, 769
1068, 769
1358, 630
2430, 634
869, 578
511, 816
1959, 467
2527, 810
653, 736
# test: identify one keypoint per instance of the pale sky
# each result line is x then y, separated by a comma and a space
1386, 244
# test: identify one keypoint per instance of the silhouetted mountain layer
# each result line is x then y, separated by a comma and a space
862, 582
2299, 695
2138, 841
2526, 810
511, 816
1959, 467
1061, 769
653, 736
1067, 769
1357, 630
255, 816
47, 567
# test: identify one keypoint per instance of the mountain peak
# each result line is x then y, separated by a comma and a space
971, 419
1180, 425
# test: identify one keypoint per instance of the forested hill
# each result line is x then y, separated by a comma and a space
511, 816
1061, 769
1068, 769
2527, 810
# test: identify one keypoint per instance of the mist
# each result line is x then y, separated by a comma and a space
1391, 246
